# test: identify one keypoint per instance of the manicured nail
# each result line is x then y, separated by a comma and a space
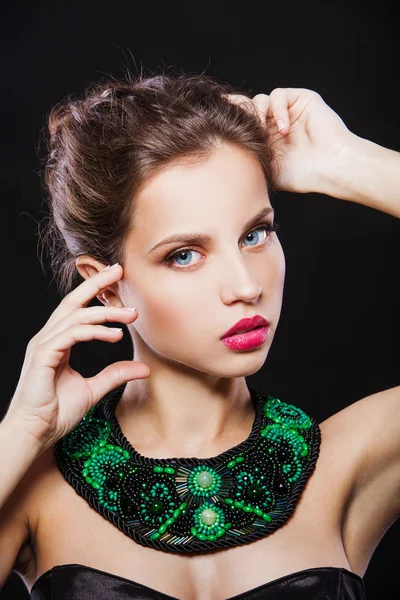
127, 308
112, 267
281, 124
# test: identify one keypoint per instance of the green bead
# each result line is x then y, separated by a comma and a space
211, 537
193, 531
231, 464
85, 472
176, 513
169, 521
108, 446
205, 479
156, 507
201, 537
220, 533
248, 509
238, 504
254, 492
155, 536
162, 529
240, 459
208, 516
258, 511
169, 470
267, 518
229, 501
126, 454
96, 485
158, 469
182, 506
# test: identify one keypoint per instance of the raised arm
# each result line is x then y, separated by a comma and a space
316, 152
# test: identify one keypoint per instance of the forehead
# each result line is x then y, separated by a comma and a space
227, 182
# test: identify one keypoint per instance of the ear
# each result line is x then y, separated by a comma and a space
87, 267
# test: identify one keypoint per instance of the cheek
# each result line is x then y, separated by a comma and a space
167, 312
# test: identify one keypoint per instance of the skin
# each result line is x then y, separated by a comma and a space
196, 401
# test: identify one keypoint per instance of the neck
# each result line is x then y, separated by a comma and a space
163, 417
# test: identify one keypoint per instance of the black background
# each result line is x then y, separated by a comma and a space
337, 340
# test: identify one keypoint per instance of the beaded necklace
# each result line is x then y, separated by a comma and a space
193, 504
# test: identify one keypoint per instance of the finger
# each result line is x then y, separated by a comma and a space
90, 315
268, 107
114, 375
282, 99
83, 294
244, 102
263, 105
279, 99
51, 352
239, 99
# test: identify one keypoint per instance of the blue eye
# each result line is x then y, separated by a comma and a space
252, 233
268, 228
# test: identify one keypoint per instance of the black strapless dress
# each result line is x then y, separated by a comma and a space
79, 582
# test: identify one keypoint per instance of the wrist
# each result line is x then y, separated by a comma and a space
340, 177
20, 437
363, 172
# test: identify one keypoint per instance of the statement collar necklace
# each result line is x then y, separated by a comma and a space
193, 504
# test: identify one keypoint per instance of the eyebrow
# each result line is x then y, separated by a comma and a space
201, 238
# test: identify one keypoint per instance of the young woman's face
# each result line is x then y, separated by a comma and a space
186, 304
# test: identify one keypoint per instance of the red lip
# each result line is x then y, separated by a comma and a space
247, 325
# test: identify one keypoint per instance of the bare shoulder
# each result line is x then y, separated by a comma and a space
366, 439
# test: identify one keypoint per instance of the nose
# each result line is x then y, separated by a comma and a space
240, 283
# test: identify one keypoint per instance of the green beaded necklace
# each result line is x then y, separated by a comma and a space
193, 504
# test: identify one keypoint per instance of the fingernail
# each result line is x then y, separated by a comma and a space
127, 308
281, 124
112, 267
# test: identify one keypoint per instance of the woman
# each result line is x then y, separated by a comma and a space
168, 180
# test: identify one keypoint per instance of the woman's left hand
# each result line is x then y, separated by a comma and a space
310, 142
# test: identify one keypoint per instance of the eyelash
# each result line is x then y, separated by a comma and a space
268, 227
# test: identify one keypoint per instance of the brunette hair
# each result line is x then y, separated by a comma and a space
103, 147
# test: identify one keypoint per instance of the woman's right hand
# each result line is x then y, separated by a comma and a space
51, 398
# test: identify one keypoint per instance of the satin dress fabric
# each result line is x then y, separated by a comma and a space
79, 582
